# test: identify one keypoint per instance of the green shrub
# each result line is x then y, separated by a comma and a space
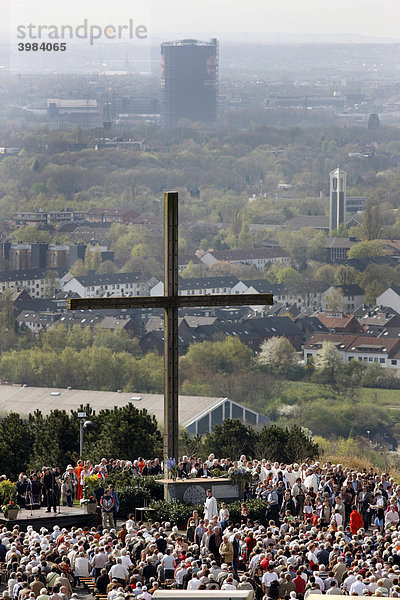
131, 498
178, 513
135, 491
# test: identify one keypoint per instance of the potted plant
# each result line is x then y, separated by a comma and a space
8, 493
172, 469
91, 484
239, 478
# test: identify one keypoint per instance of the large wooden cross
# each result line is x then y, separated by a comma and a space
170, 302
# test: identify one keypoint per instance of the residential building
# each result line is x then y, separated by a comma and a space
340, 322
390, 298
378, 318
9, 151
192, 286
112, 215
41, 255
34, 281
309, 325
309, 296
44, 217
365, 349
116, 284
342, 298
258, 257
119, 324
37, 321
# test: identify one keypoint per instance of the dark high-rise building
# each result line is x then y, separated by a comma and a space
189, 81
39, 255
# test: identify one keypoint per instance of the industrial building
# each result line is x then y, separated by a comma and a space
189, 81
197, 414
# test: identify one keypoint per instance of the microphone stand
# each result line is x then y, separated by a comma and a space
31, 496
58, 494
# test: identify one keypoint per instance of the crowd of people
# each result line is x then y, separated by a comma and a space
326, 529
51, 487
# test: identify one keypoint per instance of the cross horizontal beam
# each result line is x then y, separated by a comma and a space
127, 302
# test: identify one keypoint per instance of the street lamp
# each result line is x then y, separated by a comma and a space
83, 424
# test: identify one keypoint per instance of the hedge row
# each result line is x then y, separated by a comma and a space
136, 492
178, 513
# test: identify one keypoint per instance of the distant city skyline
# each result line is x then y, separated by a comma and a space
258, 20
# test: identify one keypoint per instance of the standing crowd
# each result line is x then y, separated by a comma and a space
326, 529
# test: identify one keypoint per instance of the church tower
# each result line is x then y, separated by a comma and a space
337, 198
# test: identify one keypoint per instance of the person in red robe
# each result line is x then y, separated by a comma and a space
356, 521
78, 471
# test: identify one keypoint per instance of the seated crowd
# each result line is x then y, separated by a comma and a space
326, 529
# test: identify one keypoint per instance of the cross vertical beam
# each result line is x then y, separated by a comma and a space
171, 355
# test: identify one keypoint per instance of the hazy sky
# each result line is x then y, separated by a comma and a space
376, 18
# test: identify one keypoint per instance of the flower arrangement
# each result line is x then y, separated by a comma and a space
91, 483
8, 491
10, 505
239, 477
172, 468
218, 473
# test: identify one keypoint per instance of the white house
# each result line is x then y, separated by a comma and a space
196, 286
34, 281
385, 352
115, 284
258, 257
390, 298
345, 298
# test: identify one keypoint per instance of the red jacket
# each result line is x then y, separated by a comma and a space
300, 585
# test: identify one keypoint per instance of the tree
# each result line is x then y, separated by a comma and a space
7, 320
79, 268
245, 239
286, 445
231, 438
278, 355
229, 355
345, 275
56, 439
194, 270
316, 246
367, 248
372, 223
30, 234
326, 273
125, 431
340, 232
296, 244
106, 267
287, 275
15, 444
328, 361
50, 282
92, 257
334, 300
300, 445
